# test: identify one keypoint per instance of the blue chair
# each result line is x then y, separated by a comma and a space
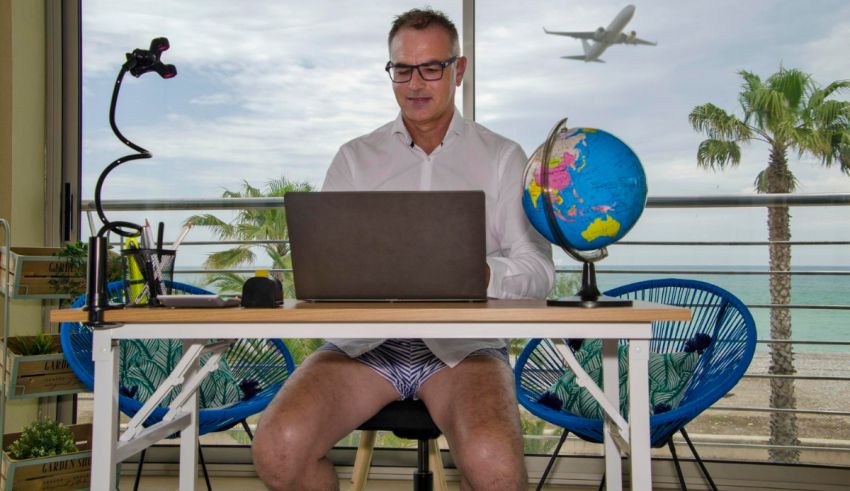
258, 367
715, 312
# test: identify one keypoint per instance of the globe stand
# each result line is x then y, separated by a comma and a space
589, 295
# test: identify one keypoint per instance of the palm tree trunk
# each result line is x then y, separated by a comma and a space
783, 426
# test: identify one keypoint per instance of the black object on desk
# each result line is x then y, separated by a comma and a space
262, 291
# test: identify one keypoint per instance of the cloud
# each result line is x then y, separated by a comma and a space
267, 89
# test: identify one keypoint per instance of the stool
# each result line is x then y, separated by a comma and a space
406, 419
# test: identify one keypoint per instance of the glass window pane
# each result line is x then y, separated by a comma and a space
644, 95
264, 90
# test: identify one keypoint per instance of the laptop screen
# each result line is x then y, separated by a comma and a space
388, 245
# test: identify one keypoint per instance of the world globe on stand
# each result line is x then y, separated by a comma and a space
588, 196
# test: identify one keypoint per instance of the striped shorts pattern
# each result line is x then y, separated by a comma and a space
407, 363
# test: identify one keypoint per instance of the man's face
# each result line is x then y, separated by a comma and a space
423, 101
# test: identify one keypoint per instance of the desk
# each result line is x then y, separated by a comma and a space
493, 319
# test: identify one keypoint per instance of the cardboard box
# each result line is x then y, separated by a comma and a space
58, 473
35, 270
40, 375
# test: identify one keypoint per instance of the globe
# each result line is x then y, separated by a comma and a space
588, 195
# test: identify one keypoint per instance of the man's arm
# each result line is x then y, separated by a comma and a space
523, 266
338, 177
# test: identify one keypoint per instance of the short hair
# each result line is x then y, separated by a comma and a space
420, 19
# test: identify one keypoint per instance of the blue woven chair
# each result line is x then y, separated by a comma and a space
258, 367
715, 312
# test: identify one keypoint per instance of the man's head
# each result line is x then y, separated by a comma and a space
421, 19
424, 46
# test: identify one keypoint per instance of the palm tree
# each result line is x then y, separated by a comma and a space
789, 112
259, 224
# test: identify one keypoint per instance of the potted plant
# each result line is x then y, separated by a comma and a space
38, 368
48, 456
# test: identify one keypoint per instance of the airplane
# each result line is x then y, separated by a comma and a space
596, 42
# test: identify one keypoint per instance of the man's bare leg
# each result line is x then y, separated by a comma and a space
326, 398
475, 406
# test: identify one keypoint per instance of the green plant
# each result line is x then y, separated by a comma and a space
40, 344
42, 439
73, 282
75, 256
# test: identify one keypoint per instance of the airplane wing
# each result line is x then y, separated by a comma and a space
582, 58
642, 41
631, 38
577, 34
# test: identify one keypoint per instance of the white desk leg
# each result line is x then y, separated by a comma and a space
639, 414
105, 430
189, 436
611, 385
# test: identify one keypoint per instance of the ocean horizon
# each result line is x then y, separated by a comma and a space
808, 324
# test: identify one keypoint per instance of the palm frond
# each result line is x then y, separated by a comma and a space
221, 229
752, 82
281, 186
793, 86
767, 108
225, 283
835, 87
717, 124
718, 154
231, 257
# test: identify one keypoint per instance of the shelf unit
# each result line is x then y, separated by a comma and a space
25, 274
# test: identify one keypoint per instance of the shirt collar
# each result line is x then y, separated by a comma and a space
456, 127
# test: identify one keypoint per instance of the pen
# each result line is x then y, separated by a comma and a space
147, 235
182, 236
160, 229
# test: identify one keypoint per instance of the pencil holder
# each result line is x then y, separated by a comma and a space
147, 273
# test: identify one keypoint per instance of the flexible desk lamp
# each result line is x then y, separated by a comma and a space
139, 62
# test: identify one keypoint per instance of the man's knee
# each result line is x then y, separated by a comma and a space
278, 453
493, 464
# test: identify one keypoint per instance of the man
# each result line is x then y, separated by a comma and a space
467, 385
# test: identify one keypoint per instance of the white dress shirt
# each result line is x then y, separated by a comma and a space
470, 158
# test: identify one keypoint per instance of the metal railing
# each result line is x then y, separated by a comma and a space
661, 202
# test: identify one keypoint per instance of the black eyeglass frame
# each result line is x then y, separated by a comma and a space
442, 64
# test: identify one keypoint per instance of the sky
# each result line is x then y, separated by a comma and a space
272, 89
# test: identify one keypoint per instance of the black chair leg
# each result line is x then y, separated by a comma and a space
700, 463
204, 467
602, 482
247, 429
552, 460
423, 480
672, 448
139, 470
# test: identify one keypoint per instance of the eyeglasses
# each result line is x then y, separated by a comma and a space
431, 71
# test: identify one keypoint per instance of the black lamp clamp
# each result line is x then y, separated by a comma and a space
139, 62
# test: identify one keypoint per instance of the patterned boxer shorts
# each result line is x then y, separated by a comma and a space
408, 363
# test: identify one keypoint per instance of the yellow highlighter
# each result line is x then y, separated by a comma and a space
134, 275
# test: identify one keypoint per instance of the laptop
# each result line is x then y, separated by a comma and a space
388, 245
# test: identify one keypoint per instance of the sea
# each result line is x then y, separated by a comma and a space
807, 289
808, 324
